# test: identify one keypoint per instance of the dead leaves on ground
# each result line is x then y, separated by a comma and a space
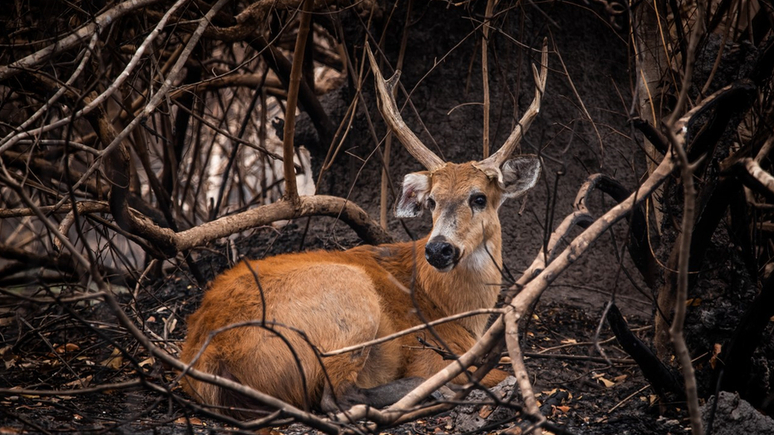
600, 378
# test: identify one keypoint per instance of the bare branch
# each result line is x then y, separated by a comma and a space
160, 94
761, 176
101, 22
291, 190
99, 100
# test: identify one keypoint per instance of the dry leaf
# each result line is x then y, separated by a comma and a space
620, 378
170, 323
68, 347
79, 383
485, 411
189, 420
147, 362
9, 359
114, 361
569, 341
716, 349
563, 408
693, 302
608, 383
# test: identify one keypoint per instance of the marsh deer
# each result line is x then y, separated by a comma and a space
344, 298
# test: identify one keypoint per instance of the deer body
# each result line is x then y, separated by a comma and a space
330, 300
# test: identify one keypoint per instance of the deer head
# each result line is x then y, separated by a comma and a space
463, 198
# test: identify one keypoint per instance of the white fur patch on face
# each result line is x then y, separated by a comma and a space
446, 226
480, 258
416, 187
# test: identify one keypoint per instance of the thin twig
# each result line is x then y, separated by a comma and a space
291, 189
413, 329
676, 135
385, 181
490, 5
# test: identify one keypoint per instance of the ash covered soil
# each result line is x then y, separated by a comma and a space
578, 389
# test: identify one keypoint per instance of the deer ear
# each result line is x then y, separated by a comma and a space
416, 187
519, 175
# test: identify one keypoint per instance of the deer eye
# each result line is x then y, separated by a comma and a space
431, 203
478, 201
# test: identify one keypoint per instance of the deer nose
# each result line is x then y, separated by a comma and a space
441, 254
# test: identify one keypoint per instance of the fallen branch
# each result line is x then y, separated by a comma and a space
657, 373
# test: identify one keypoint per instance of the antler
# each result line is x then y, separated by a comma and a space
505, 151
389, 109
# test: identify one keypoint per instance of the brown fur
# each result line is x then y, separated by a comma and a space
344, 298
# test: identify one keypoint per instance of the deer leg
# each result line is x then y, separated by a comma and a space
340, 391
494, 377
428, 361
342, 395
377, 397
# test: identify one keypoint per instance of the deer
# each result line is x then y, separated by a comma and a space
309, 303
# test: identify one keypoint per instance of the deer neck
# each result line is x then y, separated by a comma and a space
473, 284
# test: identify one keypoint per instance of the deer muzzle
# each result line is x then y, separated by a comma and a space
441, 254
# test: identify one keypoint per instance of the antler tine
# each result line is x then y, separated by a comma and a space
389, 109
506, 150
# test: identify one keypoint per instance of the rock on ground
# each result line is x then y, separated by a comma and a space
735, 416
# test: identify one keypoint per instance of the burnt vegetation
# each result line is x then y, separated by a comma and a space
148, 145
